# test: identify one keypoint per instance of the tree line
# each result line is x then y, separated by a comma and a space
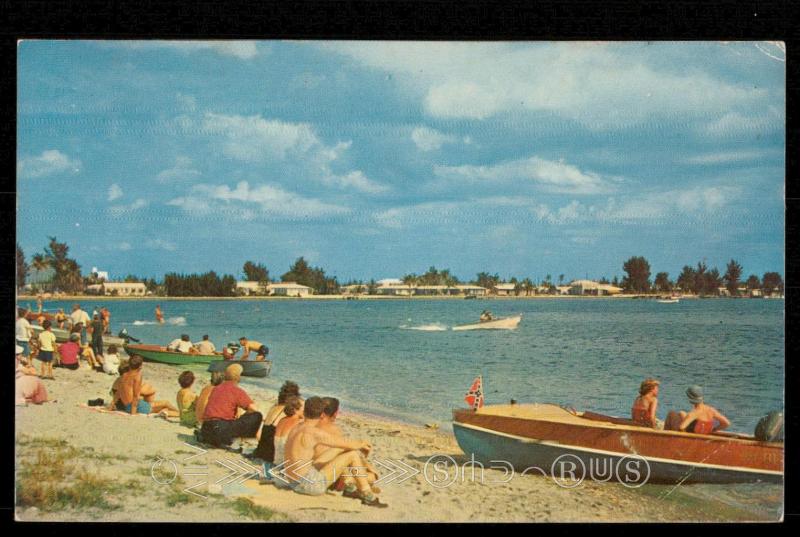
699, 279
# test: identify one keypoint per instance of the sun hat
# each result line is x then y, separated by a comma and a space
695, 394
19, 350
74, 336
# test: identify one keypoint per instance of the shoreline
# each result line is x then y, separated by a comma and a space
154, 298
124, 449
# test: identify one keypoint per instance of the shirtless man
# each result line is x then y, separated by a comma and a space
699, 420
257, 347
159, 315
324, 454
304, 477
131, 393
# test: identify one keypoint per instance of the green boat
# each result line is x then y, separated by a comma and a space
155, 353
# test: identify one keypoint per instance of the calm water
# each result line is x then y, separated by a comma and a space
399, 358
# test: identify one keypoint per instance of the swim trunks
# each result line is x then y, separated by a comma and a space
45, 356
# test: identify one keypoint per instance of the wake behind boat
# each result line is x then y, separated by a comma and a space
544, 436
504, 323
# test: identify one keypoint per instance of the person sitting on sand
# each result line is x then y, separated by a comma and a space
292, 415
287, 390
132, 395
220, 424
69, 352
257, 347
47, 346
28, 388
187, 399
323, 454
202, 400
111, 361
486, 316
205, 346
699, 420
307, 479
643, 411
95, 362
123, 368
266, 434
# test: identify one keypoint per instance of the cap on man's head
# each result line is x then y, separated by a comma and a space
695, 394
74, 336
19, 349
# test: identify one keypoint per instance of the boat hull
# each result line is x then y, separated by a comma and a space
155, 353
507, 323
62, 336
250, 368
632, 454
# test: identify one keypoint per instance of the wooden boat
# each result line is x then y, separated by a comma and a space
505, 323
156, 353
543, 437
250, 368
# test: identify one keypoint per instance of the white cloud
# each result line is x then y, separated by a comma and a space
50, 162
255, 139
181, 171
160, 244
114, 192
121, 210
427, 139
244, 50
598, 84
550, 176
270, 200
735, 124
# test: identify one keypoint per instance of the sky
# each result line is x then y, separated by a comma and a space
379, 159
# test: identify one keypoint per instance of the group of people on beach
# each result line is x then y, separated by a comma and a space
301, 446
701, 419
40, 343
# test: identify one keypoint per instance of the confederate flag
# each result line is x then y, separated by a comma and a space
474, 397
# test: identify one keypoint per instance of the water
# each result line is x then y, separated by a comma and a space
399, 358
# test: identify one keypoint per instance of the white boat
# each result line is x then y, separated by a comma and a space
505, 323
668, 301
62, 336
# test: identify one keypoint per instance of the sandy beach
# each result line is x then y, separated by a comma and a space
105, 467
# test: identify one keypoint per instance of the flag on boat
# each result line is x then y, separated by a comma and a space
474, 397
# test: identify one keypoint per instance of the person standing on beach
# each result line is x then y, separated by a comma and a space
220, 425
23, 333
47, 346
78, 316
97, 328
61, 318
305, 478
106, 316
159, 315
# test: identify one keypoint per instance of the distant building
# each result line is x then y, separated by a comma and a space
123, 288
563, 289
248, 288
505, 289
355, 289
593, 288
288, 289
472, 290
394, 287
101, 274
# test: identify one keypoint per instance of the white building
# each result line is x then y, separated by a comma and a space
101, 274
124, 288
505, 289
248, 288
289, 289
472, 290
394, 287
590, 287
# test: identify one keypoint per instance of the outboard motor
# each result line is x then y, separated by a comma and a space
127, 337
770, 427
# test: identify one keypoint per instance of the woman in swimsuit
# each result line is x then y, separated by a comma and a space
644, 407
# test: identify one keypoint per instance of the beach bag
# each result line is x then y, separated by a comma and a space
770, 427
266, 444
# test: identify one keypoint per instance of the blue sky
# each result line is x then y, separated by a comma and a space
376, 159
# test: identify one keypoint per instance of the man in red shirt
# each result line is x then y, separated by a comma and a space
220, 425
69, 352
